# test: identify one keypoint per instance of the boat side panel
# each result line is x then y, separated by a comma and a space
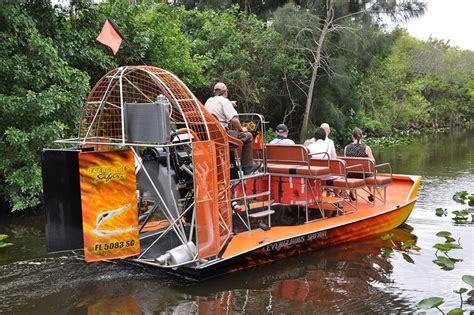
305, 243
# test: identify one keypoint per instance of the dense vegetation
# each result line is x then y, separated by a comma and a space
264, 50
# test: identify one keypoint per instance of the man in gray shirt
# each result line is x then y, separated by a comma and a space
224, 110
282, 136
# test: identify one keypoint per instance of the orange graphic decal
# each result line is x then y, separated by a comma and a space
109, 205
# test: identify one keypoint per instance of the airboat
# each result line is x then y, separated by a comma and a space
154, 179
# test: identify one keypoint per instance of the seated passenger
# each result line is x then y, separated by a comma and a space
357, 148
224, 110
332, 148
282, 136
308, 142
319, 147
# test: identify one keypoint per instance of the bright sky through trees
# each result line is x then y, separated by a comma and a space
448, 20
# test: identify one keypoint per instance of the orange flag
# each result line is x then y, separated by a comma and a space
110, 36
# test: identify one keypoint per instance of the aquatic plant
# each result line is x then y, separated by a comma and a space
2, 243
403, 247
446, 262
441, 212
388, 141
462, 216
436, 302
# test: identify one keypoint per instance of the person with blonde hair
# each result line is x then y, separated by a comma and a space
332, 148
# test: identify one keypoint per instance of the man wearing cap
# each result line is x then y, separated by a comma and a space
224, 110
282, 136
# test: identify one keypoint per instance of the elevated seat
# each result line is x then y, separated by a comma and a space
292, 169
380, 180
292, 160
294, 180
344, 182
339, 178
376, 182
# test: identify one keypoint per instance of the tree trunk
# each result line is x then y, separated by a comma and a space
315, 65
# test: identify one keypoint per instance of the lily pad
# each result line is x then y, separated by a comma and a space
460, 196
443, 234
386, 252
431, 302
460, 291
440, 212
444, 262
408, 244
455, 311
446, 247
387, 237
468, 279
408, 258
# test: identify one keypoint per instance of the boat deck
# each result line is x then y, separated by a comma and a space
400, 194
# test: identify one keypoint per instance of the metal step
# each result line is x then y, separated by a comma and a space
262, 213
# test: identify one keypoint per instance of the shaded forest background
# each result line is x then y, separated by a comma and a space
266, 52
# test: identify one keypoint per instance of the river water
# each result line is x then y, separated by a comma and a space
350, 278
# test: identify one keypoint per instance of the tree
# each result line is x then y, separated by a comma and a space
242, 51
36, 106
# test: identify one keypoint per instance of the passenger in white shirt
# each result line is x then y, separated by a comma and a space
332, 148
282, 136
319, 147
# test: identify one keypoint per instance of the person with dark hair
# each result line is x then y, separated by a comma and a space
225, 111
282, 136
357, 148
319, 149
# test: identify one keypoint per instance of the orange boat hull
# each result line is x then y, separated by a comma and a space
259, 247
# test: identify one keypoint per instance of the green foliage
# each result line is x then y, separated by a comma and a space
469, 280
2, 243
441, 211
462, 216
445, 262
241, 51
36, 106
419, 84
388, 141
379, 81
403, 247
455, 311
432, 302
270, 135
387, 237
446, 247
460, 196
446, 235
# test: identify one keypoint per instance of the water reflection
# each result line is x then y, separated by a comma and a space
345, 278
441, 154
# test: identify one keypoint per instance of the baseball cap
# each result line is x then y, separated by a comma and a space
281, 128
221, 87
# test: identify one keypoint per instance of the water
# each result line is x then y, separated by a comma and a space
349, 278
